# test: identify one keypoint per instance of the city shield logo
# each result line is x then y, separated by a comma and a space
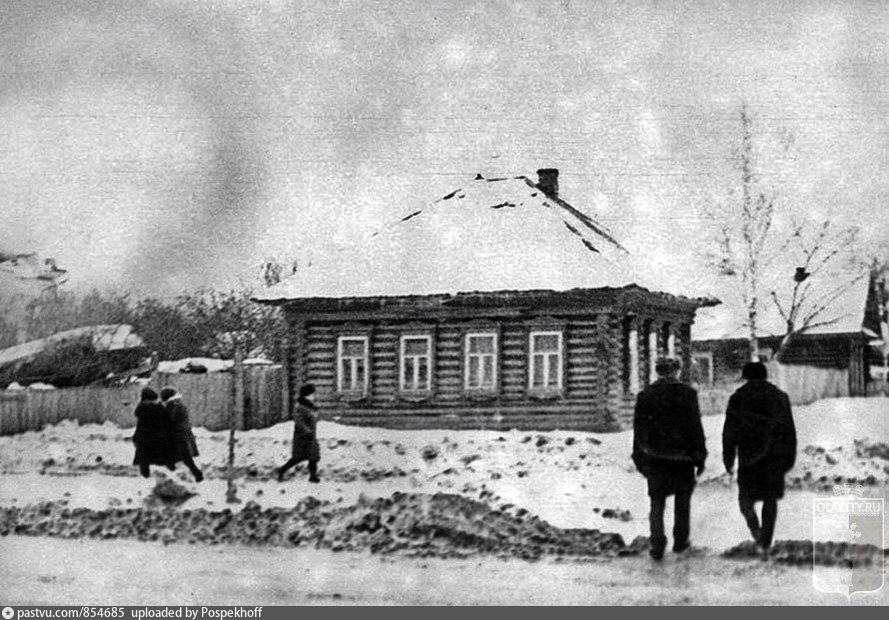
847, 542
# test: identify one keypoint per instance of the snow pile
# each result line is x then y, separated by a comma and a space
168, 492
805, 553
441, 525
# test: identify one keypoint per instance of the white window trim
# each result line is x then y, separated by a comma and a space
467, 354
708, 355
404, 338
532, 352
339, 364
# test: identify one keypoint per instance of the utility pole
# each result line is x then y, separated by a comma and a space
236, 413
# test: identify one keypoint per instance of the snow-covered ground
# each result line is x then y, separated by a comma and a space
568, 478
125, 572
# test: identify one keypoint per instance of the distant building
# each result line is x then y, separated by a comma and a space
842, 339
24, 278
73, 357
498, 305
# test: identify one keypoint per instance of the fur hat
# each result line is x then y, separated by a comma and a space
168, 392
665, 366
148, 394
755, 370
306, 390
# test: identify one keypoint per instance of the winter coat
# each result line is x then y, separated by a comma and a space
182, 441
759, 430
305, 441
151, 436
668, 439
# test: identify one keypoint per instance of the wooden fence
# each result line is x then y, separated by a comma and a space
803, 384
209, 398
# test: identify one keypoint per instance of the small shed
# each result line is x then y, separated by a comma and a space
499, 305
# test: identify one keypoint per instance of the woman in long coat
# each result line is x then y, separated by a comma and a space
151, 436
305, 440
181, 440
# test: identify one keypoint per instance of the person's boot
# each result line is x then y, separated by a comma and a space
679, 547
313, 473
279, 474
656, 549
198, 476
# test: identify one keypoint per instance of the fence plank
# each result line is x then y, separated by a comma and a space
207, 396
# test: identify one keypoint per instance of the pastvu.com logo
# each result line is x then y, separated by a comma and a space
849, 528
8, 613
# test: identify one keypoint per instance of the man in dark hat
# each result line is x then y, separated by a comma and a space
669, 450
759, 429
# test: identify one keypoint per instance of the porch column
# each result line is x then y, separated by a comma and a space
671, 342
633, 346
652, 352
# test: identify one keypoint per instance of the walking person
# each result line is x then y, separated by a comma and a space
669, 450
305, 440
759, 430
183, 446
152, 430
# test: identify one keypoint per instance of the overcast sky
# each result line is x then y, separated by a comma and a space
160, 145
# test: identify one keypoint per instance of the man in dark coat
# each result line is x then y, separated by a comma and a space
182, 442
151, 436
759, 429
305, 440
669, 450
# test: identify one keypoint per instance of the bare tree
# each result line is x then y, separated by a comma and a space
752, 247
745, 232
809, 302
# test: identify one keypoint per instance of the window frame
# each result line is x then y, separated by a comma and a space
495, 354
364, 389
711, 375
546, 389
430, 361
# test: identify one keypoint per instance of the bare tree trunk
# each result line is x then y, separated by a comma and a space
754, 339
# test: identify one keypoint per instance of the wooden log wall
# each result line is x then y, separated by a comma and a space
593, 396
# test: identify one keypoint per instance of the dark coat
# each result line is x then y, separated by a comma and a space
759, 431
151, 436
668, 438
182, 442
305, 440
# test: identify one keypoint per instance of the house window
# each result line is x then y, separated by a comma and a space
481, 362
702, 368
416, 361
546, 361
353, 364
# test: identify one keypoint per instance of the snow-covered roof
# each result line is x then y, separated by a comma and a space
28, 267
210, 364
488, 235
844, 314
104, 338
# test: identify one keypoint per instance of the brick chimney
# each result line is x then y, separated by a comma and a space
548, 181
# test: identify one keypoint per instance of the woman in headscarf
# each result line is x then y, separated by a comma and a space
182, 443
305, 440
151, 436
